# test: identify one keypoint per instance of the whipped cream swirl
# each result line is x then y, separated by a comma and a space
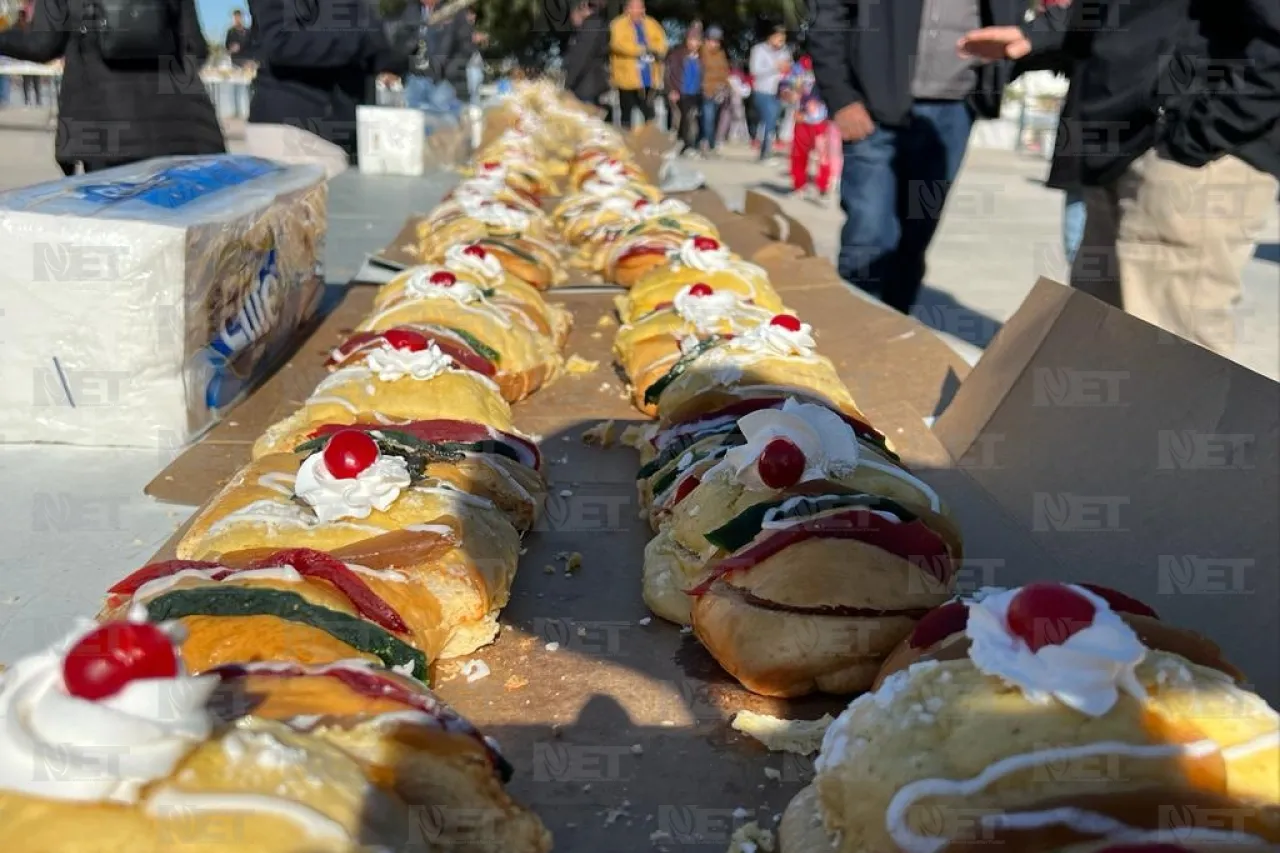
1087, 672
707, 260
487, 267
501, 215
419, 285
775, 340
705, 312
666, 207
829, 445
58, 746
376, 487
390, 364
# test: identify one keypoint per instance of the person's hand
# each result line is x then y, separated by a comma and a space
855, 123
991, 44
674, 96
388, 80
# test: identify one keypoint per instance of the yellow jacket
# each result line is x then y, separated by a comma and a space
625, 52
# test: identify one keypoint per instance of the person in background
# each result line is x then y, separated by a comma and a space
475, 63
31, 95
810, 134
1179, 188
110, 112
738, 120
715, 86
904, 102
637, 45
238, 41
684, 88
769, 62
586, 59
311, 78
438, 70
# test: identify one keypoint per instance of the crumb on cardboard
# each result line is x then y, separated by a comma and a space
548, 569
601, 435
606, 320
514, 683
803, 737
595, 336
751, 838
634, 436
474, 670
577, 365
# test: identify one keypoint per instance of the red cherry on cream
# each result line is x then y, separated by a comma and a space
786, 321
443, 278
475, 251
349, 452
406, 339
1048, 614
701, 289
640, 204
705, 244
114, 654
781, 464
490, 165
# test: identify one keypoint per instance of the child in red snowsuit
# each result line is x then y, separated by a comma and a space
811, 134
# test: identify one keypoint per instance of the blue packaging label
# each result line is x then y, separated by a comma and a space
250, 340
182, 184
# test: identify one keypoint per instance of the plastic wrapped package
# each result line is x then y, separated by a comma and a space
138, 304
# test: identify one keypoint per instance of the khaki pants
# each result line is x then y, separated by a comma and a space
293, 145
1168, 243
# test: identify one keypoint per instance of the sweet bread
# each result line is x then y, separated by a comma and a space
464, 222
390, 515
505, 327
110, 745
402, 735
648, 348
1058, 717
534, 261
475, 266
676, 457
393, 383
869, 545
525, 175
601, 175
464, 349
476, 191
774, 359
581, 215
698, 260
650, 246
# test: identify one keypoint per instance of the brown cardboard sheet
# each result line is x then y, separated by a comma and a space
1131, 458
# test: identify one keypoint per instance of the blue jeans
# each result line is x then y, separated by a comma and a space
767, 106
1073, 216
892, 191
475, 79
710, 121
435, 98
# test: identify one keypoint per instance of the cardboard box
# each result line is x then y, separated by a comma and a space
617, 722
140, 303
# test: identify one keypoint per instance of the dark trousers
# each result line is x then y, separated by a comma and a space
768, 107
892, 190
31, 90
690, 113
630, 100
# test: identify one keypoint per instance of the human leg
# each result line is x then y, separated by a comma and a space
1073, 217
869, 237
767, 106
802, 145
1183, 236
930, 151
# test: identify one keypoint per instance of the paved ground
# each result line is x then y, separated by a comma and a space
1001, 233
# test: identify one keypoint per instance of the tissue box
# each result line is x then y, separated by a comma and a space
390, 140
139, 303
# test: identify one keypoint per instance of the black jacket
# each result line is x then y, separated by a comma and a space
313, 74
863, 51
586, 60
109, 114
1195, 79
1046, 33
446, 44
